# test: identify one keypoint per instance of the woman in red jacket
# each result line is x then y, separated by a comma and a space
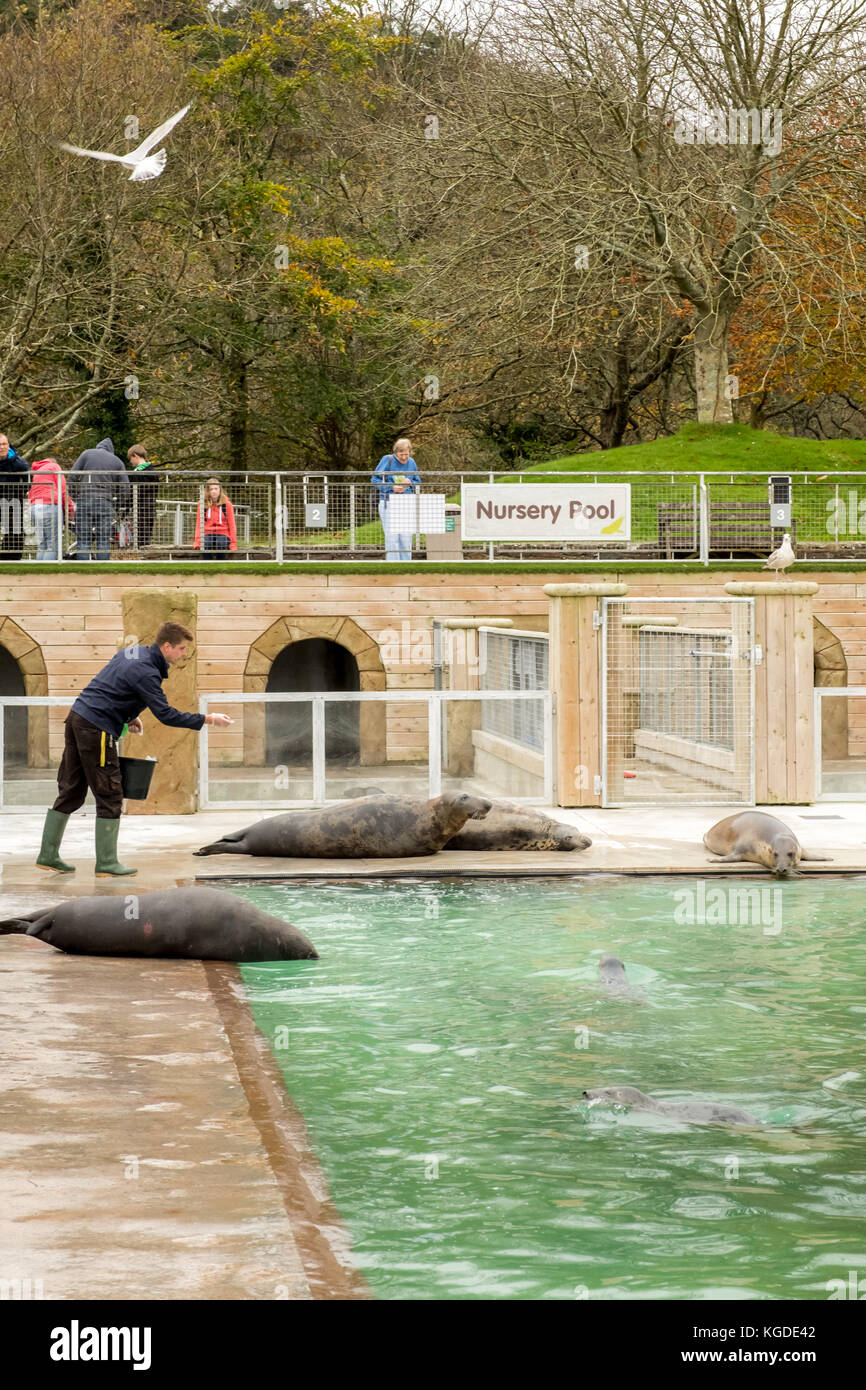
219, 521
47, 496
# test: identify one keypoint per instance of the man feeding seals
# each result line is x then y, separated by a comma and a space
105, 710
753, 837
376, 827
189, 923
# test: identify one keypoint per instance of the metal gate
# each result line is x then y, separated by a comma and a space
678, 701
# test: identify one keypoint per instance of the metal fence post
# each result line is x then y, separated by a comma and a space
318, 749
278, 512
434, 744
705, 523
351, 516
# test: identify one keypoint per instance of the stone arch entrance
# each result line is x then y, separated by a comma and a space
314, 663
342, 632
831, 668
23, 665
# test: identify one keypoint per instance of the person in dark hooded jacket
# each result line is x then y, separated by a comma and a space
14, 482
100, 483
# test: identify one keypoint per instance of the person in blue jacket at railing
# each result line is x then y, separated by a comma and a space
396, 473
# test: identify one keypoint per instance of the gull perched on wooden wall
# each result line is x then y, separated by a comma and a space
144, 164
783, 557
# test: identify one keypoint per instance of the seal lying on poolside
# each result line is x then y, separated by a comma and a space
691, 1111
376, 827
508, 825
512, 826
192, 923
754, 837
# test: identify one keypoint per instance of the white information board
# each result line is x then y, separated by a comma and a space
546, 511
410, 513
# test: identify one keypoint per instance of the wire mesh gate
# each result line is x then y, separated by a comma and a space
678, 701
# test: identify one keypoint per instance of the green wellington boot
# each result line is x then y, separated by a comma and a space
107, 832
52, 834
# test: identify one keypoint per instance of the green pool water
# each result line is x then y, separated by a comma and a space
440, 1047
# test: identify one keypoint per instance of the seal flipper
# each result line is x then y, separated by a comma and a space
30, 924
227, 845
814, 858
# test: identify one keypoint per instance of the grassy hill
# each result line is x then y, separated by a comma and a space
711, 448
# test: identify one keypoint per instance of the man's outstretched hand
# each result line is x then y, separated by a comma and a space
218, 719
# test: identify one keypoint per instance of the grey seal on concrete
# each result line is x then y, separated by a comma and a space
508, 825
691, 1111
375, 827
754, 837
512, 826
190, 923
613, 974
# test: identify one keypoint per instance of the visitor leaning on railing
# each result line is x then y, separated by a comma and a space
48, 501
219, 521
395, 472
100, 484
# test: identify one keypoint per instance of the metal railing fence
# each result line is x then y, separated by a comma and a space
436, 702
331, 516
516, 661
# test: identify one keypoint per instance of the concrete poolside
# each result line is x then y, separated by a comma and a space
640, 840
147, 1147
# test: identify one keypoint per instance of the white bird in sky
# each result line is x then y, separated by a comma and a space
783, 557
144, 164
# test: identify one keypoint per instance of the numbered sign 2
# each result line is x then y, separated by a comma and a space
315, 514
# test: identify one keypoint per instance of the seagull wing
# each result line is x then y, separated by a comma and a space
95, 154
159, 134
774, 558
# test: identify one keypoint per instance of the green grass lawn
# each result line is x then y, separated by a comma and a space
713, 448
709, 449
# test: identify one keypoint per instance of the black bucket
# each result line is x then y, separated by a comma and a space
136, 775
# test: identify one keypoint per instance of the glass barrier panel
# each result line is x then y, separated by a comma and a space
843, 746
494, 747
265, 757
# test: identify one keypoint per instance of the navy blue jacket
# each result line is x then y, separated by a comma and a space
131, 682
14, 469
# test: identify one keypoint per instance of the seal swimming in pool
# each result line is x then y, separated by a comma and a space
613, 974
376, 827
753, 837
507, 825
691, 1111
190, 923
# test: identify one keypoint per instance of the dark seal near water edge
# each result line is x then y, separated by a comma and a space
375, 827
188, 923
508, 825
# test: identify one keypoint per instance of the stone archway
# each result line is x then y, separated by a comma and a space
27, 654
346, 633
831, 668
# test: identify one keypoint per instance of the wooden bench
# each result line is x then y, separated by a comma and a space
734, 526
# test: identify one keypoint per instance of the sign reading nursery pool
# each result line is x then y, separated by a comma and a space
546, 512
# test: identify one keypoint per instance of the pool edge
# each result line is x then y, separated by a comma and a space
321, 1236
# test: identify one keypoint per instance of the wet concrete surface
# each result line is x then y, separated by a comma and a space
147, 1147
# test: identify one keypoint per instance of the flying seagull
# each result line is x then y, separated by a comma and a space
783, 557
144, 164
